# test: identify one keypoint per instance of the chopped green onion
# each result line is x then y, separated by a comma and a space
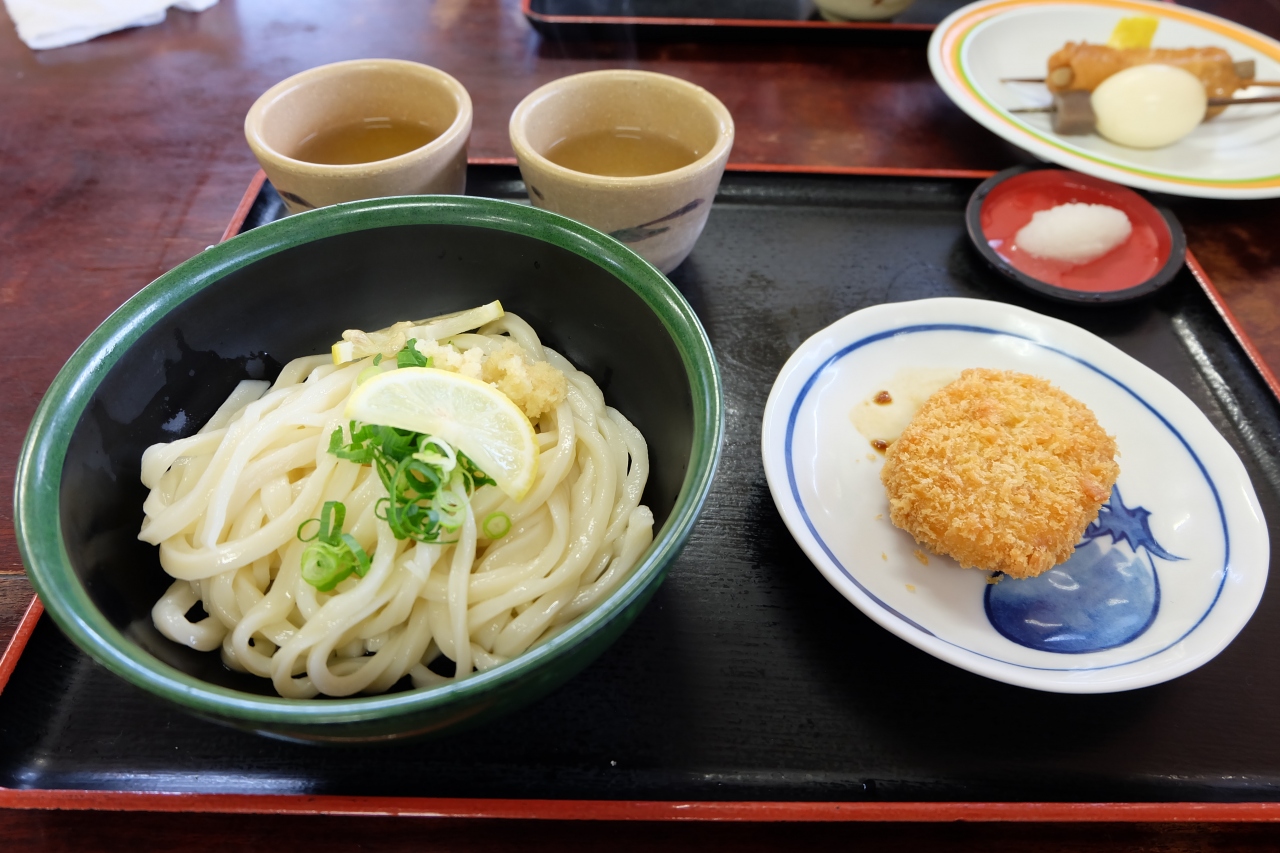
496, 525
331, 555
368, 373
428, 482
442, 456
450, 508
410, 357
377, 359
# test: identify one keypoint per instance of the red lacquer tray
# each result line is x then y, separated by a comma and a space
748, 690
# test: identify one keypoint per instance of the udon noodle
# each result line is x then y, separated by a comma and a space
227, 503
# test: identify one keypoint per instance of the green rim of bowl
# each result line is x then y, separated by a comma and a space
37, 516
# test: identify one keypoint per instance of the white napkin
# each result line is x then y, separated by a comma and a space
43, 24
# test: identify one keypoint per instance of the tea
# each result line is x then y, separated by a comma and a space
364, 142
621, 153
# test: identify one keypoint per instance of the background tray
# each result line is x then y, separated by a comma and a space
748, 678
725, 20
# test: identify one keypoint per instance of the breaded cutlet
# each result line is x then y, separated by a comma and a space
1000, 470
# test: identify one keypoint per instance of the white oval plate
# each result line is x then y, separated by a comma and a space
1148, 598
1236, 155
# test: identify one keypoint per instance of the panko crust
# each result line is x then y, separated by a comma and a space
1001, 471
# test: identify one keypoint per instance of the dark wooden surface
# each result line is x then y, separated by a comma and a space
124, 156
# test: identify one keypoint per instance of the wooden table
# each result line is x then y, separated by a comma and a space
124, 156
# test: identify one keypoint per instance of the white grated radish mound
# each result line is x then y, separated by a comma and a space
1075, 233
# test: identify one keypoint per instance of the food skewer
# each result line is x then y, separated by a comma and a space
1063, 76
1139, 96
1213, 102
1073, 113
1081, 65
1043, 80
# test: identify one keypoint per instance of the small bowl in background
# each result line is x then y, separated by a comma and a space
860, 10
289, 117
658, 215
159, 367
1148, 259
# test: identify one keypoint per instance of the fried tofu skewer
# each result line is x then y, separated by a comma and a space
1083, 66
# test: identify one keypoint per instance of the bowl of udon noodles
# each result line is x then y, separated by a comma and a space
200, 513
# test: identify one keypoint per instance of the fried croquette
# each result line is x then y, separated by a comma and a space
1001, 471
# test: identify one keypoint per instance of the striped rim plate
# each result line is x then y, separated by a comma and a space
1235, 155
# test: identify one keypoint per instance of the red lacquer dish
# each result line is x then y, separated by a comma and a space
1147, 260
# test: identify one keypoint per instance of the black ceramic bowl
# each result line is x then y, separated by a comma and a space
160, 366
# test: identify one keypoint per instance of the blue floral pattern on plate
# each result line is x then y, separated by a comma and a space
1105, 595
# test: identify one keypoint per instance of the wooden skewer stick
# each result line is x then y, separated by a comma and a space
1073, 113
1213, 102
1062, 76
1272, 83
1228, 102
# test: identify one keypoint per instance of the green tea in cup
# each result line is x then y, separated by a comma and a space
367, 128
364, 141
634, 154
622, 152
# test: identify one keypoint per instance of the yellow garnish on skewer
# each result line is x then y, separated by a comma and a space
1134, 32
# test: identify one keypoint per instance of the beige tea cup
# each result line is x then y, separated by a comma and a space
659, 122
371, 128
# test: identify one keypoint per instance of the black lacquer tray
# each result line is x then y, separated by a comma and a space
749, 687
726, 20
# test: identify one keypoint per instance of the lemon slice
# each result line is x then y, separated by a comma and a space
471, 415
389, 341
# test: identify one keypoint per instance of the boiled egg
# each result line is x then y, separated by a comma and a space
1149, 106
